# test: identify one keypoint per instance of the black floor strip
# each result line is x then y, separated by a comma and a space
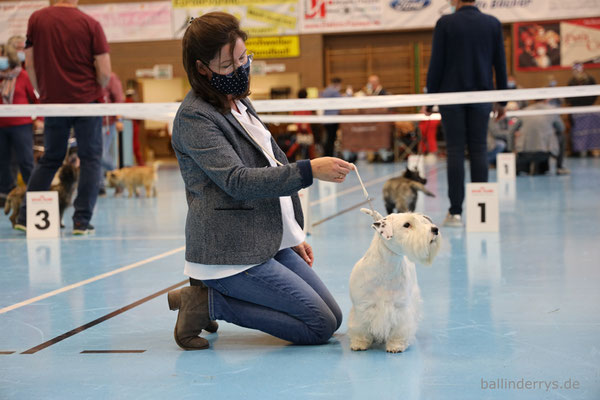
111, 351
340, 213
82, 328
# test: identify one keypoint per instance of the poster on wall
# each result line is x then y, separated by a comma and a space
133, 22
340, 15
274, 47
14, 16
258, 18
556, 45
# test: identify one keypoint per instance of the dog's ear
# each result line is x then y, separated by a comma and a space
376, 216
384, 228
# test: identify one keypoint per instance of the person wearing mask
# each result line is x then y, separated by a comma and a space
467, 49
16, 133
331, 91
373, 87
68, 62
540, 136
246, 254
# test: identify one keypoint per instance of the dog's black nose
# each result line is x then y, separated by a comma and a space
435, 230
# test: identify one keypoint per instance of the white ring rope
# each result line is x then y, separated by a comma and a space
166, 111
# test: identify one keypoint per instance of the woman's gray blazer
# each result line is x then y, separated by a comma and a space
234, 213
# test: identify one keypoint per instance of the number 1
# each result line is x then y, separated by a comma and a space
482, 205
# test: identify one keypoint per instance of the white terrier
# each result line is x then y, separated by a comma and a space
386, 300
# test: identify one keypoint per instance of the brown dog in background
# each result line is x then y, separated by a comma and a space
65, 185
132, 178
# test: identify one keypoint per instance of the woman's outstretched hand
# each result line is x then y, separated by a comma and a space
330, 169
305, 251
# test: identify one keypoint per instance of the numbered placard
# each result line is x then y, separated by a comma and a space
43, 220
416, 162
506, 166
482, 207
305, 203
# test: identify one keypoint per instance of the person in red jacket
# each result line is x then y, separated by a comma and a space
16, 133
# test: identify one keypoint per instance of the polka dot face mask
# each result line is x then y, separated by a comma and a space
235, 83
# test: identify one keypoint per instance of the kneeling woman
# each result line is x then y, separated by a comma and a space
246, 256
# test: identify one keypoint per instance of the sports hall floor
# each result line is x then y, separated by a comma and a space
522, 305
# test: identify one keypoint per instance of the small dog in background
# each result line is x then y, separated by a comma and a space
386, 300
64, 183
401, 193
68, 176
13, 202
132, 178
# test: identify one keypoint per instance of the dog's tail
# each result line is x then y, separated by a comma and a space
6, 207
422, 188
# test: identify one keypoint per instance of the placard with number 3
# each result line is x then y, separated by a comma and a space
43, 220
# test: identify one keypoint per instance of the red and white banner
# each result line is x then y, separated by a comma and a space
556, 45
14, 16
133, 22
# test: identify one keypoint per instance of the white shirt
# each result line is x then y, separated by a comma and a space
292, 232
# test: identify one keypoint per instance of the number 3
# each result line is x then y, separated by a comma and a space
45, 215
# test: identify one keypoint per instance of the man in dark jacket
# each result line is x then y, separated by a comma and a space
467, 49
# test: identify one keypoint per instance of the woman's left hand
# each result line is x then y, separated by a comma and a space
305, 251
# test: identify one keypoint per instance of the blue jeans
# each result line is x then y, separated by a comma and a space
283, 297
17, 141
88, 132
465, 124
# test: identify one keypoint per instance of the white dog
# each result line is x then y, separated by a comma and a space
386, 300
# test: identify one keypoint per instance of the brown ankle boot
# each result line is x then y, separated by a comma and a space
174, 298
192, 317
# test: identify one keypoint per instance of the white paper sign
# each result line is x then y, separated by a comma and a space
416, 162
482, 207
43, 219
305, 203
506, 166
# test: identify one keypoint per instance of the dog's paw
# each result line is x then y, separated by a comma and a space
359, 345
396, 347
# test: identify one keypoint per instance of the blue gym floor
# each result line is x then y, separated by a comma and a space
509, 309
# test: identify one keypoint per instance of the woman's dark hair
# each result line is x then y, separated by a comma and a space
202, 41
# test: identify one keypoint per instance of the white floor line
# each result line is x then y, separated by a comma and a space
90, 280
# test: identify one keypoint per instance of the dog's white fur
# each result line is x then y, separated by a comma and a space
386, 300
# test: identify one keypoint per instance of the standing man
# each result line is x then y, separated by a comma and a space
467, 49
333, 90
68, 62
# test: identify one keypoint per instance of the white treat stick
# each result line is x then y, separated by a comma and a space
365, 191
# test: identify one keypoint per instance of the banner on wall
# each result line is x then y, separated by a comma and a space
274, 47
344, 15
258, 18
133, 22
14, 16
340, 15
556, 45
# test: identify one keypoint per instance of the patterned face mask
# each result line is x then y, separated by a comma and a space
235, 83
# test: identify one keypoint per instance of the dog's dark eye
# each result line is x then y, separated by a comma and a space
407, 225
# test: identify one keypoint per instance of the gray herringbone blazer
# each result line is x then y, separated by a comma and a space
234, 214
